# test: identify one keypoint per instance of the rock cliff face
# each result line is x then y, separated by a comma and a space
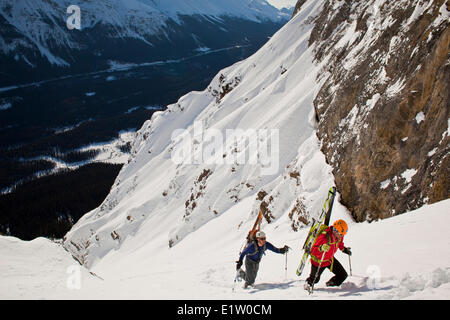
383, 106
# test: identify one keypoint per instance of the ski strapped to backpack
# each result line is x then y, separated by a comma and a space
256, 227
252, 233
250, 238
318, 226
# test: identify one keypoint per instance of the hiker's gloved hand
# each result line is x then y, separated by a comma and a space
238, 265
284, 249
347, 250
325, 247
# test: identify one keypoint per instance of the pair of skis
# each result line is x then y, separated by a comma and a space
323, 219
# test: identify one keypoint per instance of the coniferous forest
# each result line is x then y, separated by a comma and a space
49, 206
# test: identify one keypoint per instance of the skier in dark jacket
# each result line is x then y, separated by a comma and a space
253, 253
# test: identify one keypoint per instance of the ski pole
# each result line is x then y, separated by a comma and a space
236, 279
350, 264
317, 273
285, 263
285, 266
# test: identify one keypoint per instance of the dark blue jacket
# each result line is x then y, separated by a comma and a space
255, 252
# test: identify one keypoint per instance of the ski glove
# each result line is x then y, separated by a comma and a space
325, 247
238, 265
284, 249
347, 250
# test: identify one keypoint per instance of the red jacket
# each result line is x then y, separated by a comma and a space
328, 237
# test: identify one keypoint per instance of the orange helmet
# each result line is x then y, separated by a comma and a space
341, 226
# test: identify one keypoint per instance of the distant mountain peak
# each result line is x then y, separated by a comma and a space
35, 32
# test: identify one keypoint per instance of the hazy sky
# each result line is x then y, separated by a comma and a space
282, 3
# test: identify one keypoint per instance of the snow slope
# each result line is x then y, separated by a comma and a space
404, 257
157, 199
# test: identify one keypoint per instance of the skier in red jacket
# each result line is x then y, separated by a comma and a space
322, 255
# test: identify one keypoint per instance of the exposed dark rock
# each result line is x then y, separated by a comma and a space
298, 6
383, 108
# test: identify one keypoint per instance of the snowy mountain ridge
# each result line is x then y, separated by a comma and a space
42, 24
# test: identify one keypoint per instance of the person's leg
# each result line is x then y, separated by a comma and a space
339, 274
241, 274
313, 274
251, 270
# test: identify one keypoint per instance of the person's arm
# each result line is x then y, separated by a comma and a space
341, 245
316, 249
346, 250
243, 254
271, 247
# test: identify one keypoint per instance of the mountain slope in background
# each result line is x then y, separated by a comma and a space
69, 97
34, 37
